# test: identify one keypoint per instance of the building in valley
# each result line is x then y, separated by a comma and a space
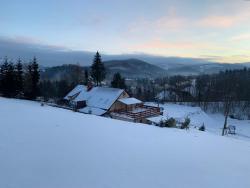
112, 102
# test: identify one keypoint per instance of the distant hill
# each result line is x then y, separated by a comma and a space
130, 65
59, 72
209, 68
131, 68
134, 68
51, 56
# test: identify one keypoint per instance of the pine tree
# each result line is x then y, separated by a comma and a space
86, 76
98, 72
35, 78
3, 78
118, 81
28, 82
10, 79
19, 77
7, 79
31, 89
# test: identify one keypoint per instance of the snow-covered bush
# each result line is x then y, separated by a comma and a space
185, 124
171, 122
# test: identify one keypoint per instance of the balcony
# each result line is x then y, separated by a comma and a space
141, 112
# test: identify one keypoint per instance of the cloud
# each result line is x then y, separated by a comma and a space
29, 42
226, 20
177, 45
158, 44
240, 37
218, 22
170, 22
238, 58
173, 22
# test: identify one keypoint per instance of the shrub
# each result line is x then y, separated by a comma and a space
162, 123
202, 128
185, 124
171, 122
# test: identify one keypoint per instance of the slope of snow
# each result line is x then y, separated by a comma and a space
46, 147
212, 122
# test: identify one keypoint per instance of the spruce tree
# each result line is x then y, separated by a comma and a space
118, 81
3, 78
28, 82
86, 76
98, 72
7, 79
19, 77
31, 89
35, 78
10, 80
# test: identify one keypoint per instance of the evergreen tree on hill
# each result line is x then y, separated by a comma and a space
35, 78
98, 72
86, 76
32, 77
19, 77
3, 74
7, 80
10, 79
118, 81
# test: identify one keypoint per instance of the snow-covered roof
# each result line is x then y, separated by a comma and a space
129, 101
76, 91
100, 97
92, 110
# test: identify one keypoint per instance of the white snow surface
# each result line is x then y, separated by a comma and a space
78, 89
99, 97
47, 147
130, 101
92, 110
212, 122
157, 119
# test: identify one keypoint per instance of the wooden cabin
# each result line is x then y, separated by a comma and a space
132, 109
112, 102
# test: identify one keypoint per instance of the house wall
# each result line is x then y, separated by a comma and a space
117, 105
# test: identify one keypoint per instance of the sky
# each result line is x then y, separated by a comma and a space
214, 29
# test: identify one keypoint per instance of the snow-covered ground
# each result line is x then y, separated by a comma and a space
212, 122
46, 147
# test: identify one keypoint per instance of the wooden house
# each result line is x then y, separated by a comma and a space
112, 102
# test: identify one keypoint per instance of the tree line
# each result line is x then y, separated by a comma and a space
23, 80
19, 80
233, 84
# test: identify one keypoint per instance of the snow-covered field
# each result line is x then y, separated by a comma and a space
46, 147
212, 122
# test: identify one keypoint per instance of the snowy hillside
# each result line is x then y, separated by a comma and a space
212, 122
46, 147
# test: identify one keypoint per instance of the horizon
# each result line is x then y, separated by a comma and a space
208, 30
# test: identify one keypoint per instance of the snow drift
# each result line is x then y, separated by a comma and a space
56, 148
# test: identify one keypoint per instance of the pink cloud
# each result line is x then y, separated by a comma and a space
169, 22
159, 44
225, 21
218, 21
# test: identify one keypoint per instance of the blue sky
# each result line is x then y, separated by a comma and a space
216, 29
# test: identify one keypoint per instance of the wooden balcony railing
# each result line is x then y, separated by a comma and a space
143, 112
